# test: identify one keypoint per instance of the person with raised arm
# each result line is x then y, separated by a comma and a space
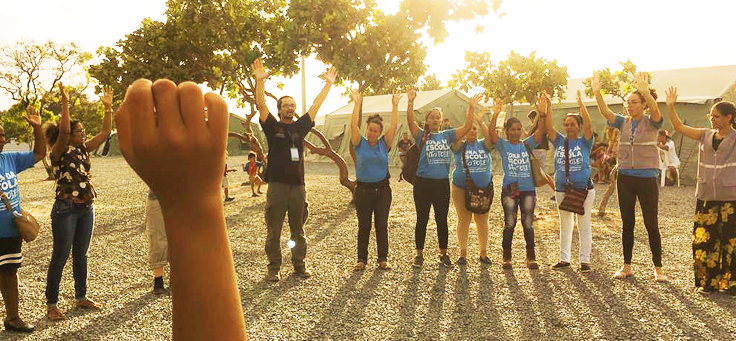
638, 168
517, 192
714, 230
73, 214
11, 256
432, 184
476, 154
372, 192
573, 170
172, 135
285, 172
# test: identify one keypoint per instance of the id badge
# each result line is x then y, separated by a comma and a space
294, 154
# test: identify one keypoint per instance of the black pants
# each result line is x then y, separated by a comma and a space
631, 188
428, 193
373, 200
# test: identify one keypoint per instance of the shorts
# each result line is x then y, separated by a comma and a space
225, 182
10, 253
158, 246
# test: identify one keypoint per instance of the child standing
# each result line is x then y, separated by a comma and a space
252, 168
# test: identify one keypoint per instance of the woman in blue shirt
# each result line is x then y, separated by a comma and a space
431, 184
578, 148
479, 164
372, 193
518, 191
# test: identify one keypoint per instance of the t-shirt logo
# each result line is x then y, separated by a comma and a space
9, 185
437, 152
477, 161
575, 155
518, 164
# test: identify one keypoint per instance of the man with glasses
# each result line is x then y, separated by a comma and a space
285, 172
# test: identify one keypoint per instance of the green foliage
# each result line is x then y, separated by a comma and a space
618, 84
430, 82
434, 14
16, 127
516, 79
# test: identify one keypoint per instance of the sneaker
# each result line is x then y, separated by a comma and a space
585, 267
89, 304
461, 261
561, 265
254, 195
485, 260
272, 277
445, 260
55, 314
303, 273
418, 260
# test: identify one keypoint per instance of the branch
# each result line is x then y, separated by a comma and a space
330, 153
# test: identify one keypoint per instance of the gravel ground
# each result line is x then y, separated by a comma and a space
463, 303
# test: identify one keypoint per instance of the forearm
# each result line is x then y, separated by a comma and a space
465, 128
603, 107
354, 124
389, 136
39, 147
319, 100
261, 99
107, 122
410, 120
206, 301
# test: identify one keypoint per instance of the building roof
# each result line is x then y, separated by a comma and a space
382, 103
695, 86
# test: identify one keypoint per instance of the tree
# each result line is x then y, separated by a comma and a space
29, 72
618, 83
430, 82
516, 79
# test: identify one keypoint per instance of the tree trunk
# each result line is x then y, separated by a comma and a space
49, 171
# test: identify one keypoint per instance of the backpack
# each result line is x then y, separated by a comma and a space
409, 169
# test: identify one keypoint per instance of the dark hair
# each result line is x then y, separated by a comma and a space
280, 100
509, 123
727, 109
377, 119
51, 130
251, 154
652, 92
577, 117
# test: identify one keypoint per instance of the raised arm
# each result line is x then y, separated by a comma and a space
64, 129
602, 106
260, 73
329, 77
693, 133
39, 147
391, 132
465, 128
587, 124
96, 141
482, 127
492, 133
354, 120
544, 107
642, 84
411, 94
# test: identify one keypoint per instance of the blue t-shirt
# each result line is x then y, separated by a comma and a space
371, 162
479, 162
579, 155
12, 163
639, 173
516, 163
435, 156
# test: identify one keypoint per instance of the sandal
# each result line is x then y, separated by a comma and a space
360, 266
623, 273
55, 314
384, 265
21, 327
660, 277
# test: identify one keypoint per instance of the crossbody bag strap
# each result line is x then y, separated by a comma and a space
567, 161
7, 203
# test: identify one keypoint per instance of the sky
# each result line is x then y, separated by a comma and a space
584, 35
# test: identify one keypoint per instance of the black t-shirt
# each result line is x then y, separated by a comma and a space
404, 145
281, 138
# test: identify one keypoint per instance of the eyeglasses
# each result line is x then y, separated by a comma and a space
632, 102
288, 106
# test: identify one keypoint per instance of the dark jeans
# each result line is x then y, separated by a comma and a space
646, 190
526, 202
373, 201
281, 198
71, 226
428, 193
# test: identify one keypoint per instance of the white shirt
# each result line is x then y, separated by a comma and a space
674, 161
